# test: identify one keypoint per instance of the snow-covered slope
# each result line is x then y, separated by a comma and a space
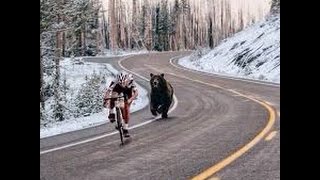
253, 53
75, 72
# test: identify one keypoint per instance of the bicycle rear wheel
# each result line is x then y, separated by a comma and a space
119, 124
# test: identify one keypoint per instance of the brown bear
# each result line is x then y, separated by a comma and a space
161, 95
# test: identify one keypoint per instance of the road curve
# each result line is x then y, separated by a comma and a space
215, 118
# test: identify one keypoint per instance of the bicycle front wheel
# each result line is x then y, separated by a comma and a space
119, 124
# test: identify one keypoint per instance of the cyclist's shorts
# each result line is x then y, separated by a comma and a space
121, 100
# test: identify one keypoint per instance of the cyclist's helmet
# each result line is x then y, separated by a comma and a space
130, 80
121, 77
130, 77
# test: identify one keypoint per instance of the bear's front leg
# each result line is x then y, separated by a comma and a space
153, 110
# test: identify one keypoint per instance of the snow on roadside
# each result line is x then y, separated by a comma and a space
75, 71
253, 53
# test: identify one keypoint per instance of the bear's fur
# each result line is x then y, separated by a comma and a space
161, 95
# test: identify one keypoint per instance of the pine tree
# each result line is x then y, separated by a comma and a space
164, 26
43, 117
275, 6
156, 30
89, 98
135, 27
173, 26
148, 41
141, 28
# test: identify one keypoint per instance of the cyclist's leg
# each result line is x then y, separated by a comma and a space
111, 115
112, 108
125, 114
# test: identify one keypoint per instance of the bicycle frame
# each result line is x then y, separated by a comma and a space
119, 118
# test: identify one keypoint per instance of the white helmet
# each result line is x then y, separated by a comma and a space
130, 77
121, 77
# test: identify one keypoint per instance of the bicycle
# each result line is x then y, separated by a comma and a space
119, 117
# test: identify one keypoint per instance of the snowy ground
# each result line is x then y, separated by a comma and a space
253, 53
120, 52
75, 73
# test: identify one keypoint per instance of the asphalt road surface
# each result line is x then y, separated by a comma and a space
218, 128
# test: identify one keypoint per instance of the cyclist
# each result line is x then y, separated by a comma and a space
122, 84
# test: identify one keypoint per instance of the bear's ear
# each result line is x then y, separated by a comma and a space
151, 74
162, 75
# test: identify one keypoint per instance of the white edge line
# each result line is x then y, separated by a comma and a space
88, 127
222, 76
119, 63
175, 104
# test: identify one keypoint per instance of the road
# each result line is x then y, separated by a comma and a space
218, 128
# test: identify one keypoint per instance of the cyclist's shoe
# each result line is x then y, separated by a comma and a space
112, 117
126, 133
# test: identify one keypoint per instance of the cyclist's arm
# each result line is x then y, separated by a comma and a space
109, 92
110, 88
134, 94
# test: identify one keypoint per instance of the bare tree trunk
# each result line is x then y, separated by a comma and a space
221, 20
185, 32
122, 25
57, 56
63, 33
63, 44
212, 15
134, 30
241, 19
105, 33
79, 48
98, 31
148, 30
210, 33
99, 43
180, 33
83, 34
57, 76
128, 33
56, 83
41, 81
197, 23
113, 31
192, 34
135, 34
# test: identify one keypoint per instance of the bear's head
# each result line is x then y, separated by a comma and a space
157, 81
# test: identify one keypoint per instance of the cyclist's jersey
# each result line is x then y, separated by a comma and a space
115, 87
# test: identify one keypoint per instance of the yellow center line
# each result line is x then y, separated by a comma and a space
214, 178
271, 135
223, 163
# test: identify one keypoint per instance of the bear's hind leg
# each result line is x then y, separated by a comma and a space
165, 112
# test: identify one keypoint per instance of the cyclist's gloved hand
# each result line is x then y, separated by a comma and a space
105, 103
130, 100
